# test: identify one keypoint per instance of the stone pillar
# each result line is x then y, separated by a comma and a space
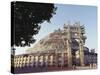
32, 60
69, 51
36, 60
69, 54
62, 62
56, 59
41, 60
46, 60
81, 54
51, 60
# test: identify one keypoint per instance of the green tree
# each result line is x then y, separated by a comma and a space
26, 18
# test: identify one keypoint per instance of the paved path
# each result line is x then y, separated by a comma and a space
86, 67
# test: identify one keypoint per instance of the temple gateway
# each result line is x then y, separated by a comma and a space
63, 48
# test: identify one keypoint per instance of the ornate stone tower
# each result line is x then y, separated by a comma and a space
67, 39
75, 39
81, 44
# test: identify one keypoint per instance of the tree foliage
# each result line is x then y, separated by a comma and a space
27, 17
